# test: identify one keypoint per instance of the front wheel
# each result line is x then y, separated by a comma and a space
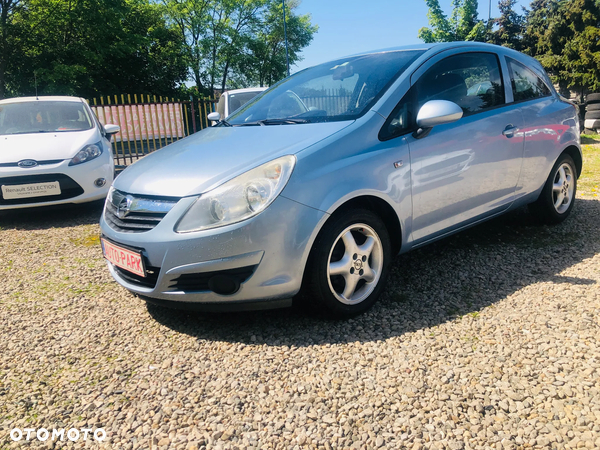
558, 195
348, 263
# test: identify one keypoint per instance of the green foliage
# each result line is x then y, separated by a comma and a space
565, 37
91, 47
511, 26
264, 62
240, 41
9, 39
463, 25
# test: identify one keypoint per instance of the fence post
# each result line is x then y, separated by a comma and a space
185, 113
193, 113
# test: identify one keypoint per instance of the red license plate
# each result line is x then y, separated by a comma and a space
123, 258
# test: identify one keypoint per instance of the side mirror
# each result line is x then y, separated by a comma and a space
214, 117
438, 112
111, 129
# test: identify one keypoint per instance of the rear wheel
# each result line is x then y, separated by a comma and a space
348, 263
558, 195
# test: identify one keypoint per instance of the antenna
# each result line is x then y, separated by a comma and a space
35, 80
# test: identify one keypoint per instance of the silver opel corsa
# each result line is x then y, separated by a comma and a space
315, 185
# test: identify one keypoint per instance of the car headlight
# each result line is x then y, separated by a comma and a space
87, 153
238, 199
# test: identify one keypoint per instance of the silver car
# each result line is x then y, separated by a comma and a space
313, 187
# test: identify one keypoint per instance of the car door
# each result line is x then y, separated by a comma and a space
463, 171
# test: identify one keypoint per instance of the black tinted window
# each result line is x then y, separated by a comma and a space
471, 80
526, 85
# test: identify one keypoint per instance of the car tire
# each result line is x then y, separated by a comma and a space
592, 98
558, 194
593, 107
339, 256
592, 115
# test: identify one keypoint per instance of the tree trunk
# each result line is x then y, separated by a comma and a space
225, 76
2, 70
3, 46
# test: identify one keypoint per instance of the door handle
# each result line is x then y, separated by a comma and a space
510, 131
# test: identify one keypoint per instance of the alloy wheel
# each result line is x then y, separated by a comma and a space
563, 188
355, 264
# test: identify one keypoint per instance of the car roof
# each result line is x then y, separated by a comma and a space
56, 98
438, 46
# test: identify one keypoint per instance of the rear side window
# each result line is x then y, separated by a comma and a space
471, 80
526, 85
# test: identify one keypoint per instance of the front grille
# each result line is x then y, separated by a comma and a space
199, 281
39, 163
136, 214
68, 188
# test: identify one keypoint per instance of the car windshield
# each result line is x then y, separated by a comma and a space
43, 117
338, 90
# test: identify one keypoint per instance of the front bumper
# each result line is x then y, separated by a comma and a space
83, 175
271, 250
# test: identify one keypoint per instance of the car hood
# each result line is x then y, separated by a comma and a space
205, 160
44, 146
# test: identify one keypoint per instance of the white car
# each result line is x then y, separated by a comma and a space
53, 150
235, 99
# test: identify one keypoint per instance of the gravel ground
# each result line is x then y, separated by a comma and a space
488, 339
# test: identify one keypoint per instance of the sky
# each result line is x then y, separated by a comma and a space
348, 26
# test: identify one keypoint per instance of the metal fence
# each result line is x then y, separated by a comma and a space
332, 101
148, 122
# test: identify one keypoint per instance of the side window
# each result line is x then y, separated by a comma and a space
471, 80
526, 85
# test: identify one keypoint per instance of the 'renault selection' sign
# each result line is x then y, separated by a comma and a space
31, 190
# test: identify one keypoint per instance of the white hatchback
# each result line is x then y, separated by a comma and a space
233, 100
53, 150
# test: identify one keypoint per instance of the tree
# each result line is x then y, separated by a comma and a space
265, 60
8, 41
537, 20
240, 41
91, 47
463, 24
213, 32
510, 26
565, 37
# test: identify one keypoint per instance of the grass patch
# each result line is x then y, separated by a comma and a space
92, 240
588, 184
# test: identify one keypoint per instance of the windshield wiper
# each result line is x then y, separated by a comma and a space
223, 123
29, 132
283, 121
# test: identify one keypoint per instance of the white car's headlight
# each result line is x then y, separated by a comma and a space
240, 198
87, 153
